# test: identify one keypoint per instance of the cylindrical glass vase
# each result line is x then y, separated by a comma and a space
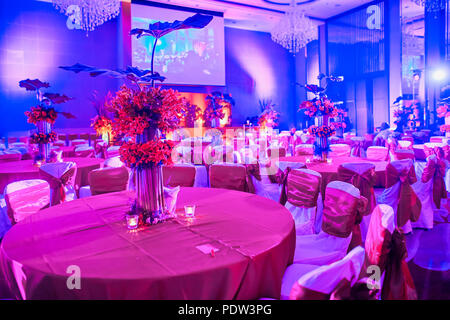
44, 127
149, 185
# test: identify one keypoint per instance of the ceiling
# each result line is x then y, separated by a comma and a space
261, 15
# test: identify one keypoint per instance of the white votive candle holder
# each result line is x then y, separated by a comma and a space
308, 160
132, 221
189, 211
329, 161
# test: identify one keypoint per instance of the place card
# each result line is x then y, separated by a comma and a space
207, 248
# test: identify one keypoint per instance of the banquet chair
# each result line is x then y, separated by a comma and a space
377, 153
113, 162
276, 152
362, 176
179, 175
59, 143
72, 136
77, 142
61, 177
85, 151
223, 153
228, 176
399, 194
401, 154
329, 282
437, 139
112, 151
335, 140
385, 247
261, 181
304, 150
84, 136
430, 189
405, 144
341, 205
10, 156
17, 145
301, 196
339, 150
357, 147
106, 180
26, 197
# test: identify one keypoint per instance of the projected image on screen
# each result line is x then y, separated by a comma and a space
192, 56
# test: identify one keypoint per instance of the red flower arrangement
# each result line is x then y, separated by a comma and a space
41, 113
42, 138
320, 106
144, 155
442, 111
445, 128
102, 124
136, 110
322, 131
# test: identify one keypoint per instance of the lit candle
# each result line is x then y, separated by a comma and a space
189, 211
329, 161
308, 160
132, 221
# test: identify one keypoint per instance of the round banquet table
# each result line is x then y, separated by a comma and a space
24, 169
255, 238
329, 170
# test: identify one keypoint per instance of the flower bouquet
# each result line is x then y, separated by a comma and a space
44, 116
217, 106
269, 116
322, 110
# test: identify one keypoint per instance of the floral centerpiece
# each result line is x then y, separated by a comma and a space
102, 122
218, 106
269, 116
324, 112
192, 113
43, 116
141, 117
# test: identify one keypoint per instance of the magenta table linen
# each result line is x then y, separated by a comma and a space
255, 237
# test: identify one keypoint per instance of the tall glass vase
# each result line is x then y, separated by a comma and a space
322, 142
44, 127
149, 185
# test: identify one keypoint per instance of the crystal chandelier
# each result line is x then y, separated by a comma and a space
433, 6
88, 14
294, 30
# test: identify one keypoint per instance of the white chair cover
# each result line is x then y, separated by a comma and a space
340, 150
377, 153
324, 248
424, 191
24, 198
390, 196
307, 220
113, 162
324, 279
57, 170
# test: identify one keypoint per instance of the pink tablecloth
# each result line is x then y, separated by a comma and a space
24, 169
255, 237
329, 170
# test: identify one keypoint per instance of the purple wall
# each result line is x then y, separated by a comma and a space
34, 41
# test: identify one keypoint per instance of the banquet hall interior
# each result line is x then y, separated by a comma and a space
224, 150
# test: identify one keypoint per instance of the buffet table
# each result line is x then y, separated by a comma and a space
237, 247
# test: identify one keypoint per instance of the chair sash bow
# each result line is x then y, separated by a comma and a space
57, 184
409, 205
435, 169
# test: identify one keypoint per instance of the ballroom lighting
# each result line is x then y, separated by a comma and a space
88, 14
294, 30
439, 74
